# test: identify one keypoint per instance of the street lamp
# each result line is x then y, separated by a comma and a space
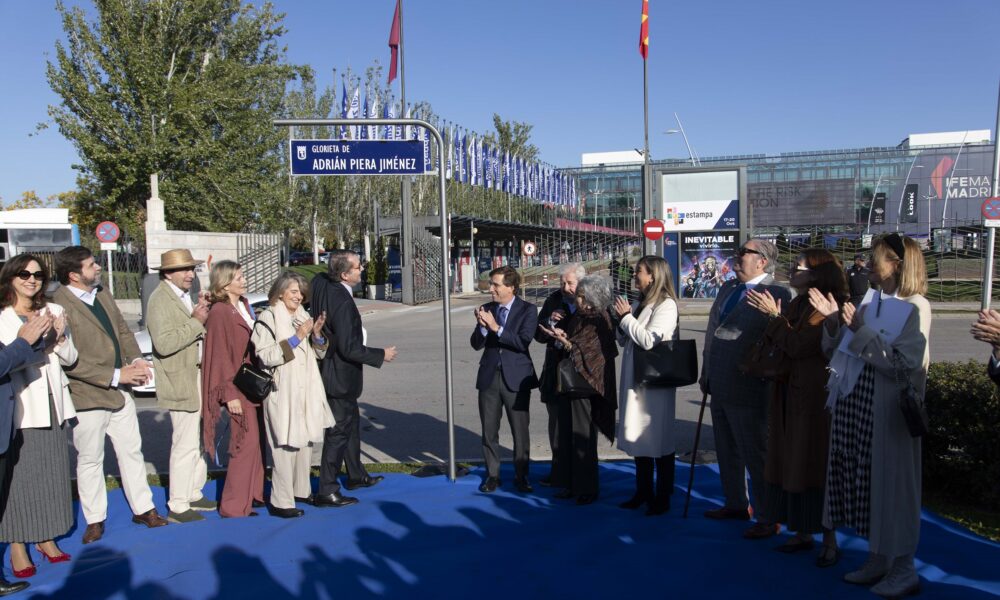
680, 130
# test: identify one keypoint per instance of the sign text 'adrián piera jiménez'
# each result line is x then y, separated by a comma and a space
361, 157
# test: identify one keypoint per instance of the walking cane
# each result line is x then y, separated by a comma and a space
694, 452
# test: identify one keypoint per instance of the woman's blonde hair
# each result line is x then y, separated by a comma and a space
911, 273
222, 274
662, 286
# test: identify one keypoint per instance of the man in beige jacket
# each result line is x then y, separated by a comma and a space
109, 363
176, 326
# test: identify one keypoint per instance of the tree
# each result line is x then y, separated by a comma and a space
185, 89
514, 136
28, 199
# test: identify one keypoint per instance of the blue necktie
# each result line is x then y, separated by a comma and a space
732, 301
503, 316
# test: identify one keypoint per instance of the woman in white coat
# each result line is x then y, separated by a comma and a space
646, 428
873, 477
39, 503
296, 413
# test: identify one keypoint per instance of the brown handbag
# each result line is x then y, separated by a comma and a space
766, 361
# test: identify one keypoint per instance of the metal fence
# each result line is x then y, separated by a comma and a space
259, 255
955, 254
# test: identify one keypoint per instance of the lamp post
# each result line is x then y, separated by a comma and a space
680, 130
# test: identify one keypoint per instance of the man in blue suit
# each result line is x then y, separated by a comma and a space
14, 356
504, 328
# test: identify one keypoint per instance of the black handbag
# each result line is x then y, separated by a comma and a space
255, 383
570, 382
912, 407
668, 364
766, 361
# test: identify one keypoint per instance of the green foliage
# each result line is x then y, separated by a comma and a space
961, 456
186, 89
378, 268
514, 137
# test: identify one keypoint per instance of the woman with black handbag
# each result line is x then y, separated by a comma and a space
227, 347
646, 429
879, 352
586, 391
798, 424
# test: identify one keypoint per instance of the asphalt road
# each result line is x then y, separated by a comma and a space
403, 406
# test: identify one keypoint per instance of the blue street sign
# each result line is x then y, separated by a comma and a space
353, 157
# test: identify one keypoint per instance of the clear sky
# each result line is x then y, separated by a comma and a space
761, 76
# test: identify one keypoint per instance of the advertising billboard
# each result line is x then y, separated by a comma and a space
706, 262
701, 200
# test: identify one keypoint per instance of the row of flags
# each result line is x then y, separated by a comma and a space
468, 157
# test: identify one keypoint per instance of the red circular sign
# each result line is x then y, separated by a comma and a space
991, 208
653, 229
107, 232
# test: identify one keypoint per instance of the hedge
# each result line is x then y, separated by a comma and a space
962, 451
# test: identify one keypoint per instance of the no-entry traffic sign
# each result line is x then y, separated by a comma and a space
528, 248
107, 232
653, 229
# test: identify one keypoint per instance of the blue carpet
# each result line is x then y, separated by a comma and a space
428, 538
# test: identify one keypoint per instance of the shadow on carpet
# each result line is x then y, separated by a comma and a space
428, 538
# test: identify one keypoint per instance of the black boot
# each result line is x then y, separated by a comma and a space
664, 485
643, 483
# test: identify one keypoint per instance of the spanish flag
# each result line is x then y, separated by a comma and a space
644, 31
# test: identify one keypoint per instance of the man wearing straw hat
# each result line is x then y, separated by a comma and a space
176, 326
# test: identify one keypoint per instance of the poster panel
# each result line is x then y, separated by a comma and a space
706, 260
701, 201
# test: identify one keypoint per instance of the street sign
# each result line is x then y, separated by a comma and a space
356, 157
991, 212
113, 246
653, 229
528, 248
107, 232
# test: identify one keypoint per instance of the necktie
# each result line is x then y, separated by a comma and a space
732, 301
503, 316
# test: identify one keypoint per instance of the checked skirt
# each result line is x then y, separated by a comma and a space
850, 470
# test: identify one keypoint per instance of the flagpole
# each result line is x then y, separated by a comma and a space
647, 202
406, 209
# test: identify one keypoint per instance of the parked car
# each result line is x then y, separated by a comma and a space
324, 258
257, 300
300, 258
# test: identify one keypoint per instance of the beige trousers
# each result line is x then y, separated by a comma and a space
188, 469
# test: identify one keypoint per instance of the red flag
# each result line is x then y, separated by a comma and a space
643, 32
394, 42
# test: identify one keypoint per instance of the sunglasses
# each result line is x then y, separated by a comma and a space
25, 275
744, 251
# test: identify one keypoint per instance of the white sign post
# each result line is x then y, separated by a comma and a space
107, 232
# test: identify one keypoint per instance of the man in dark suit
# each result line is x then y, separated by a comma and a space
14, 356
332, 293
559, 308
739, 402
857, 279
987, 329
504, 328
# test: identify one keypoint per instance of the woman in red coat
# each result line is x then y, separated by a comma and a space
227, 334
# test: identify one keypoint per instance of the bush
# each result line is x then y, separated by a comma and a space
961, 454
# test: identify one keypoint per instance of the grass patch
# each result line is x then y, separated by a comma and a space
308, 271
982, 522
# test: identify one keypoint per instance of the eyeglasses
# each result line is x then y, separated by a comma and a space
25, 275
744, 251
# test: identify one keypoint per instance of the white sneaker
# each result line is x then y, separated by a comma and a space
874, 569
901, 581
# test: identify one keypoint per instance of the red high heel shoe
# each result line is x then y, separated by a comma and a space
53, 559
24, 573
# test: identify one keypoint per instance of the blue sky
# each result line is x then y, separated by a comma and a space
745, 76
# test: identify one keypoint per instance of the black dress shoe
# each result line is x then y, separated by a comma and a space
307, 500
545, 481
523, 486
7, 587
285, 513
564, 495
257, 504
490, 485
333, 500
366, 481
